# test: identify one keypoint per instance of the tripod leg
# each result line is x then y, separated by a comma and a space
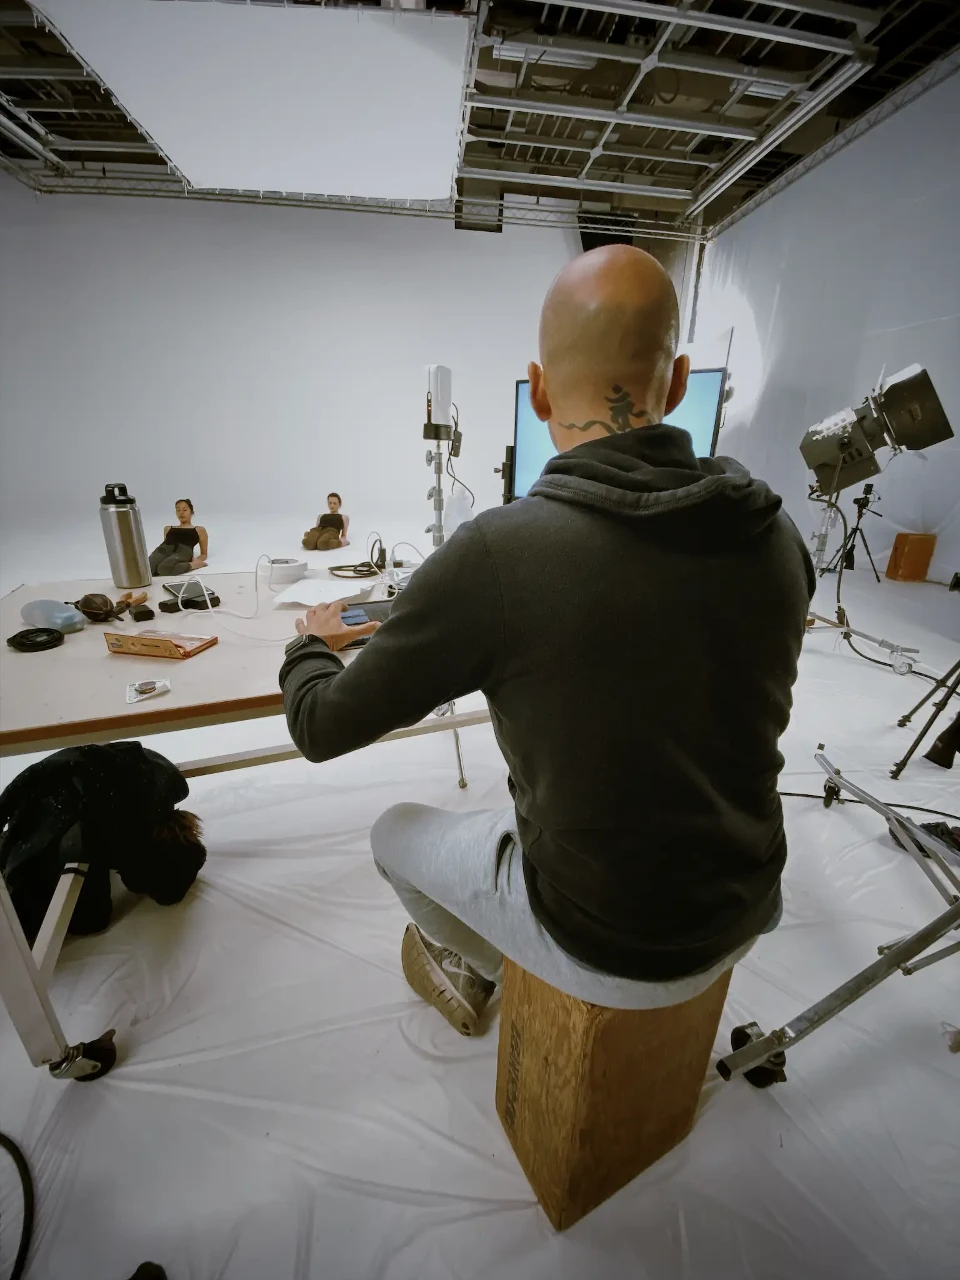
938, 706
866, 547
462, 779
835, 559
929, 694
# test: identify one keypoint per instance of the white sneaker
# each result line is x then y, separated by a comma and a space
445, 980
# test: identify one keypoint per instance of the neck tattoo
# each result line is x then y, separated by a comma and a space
621, 412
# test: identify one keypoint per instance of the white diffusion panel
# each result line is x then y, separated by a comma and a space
306, 99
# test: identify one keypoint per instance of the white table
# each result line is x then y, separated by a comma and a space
76, 694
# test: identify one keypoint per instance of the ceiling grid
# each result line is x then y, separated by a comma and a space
669, 117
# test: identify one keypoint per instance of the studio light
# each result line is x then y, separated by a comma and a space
903, 413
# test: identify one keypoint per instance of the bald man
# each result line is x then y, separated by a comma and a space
635, 625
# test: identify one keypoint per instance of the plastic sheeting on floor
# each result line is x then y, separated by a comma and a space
285, 1107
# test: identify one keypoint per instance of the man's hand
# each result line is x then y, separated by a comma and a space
324, 620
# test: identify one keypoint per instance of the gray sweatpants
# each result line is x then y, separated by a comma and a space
170, 559
460, 878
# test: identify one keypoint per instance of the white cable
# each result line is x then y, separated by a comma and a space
393, 553
395, 580
246, 617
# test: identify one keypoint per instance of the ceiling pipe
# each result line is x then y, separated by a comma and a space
24, 117
525, 178
88, 144
707, 20
41, 71
28, 142
646, 67
865, 20
55, 108
670, 157
583, 109
579, 144
635, 55
840, 80
469, 80
54, 142
727, 69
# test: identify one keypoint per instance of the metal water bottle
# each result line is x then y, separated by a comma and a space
123, 534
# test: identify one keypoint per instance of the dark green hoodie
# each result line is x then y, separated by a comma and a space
635, 625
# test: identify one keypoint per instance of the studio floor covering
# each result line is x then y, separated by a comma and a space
286, 1109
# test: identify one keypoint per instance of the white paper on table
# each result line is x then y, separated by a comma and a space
311, 591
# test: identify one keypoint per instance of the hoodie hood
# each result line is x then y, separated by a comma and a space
651, 474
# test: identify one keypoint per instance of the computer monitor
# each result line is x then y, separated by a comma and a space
698, 412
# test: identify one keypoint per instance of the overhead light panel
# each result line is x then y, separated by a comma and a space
289, 98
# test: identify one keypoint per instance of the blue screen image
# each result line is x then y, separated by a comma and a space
696, 413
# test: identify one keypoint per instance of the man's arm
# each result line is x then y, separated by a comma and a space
443, 639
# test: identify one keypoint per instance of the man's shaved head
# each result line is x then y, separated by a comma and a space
609, 331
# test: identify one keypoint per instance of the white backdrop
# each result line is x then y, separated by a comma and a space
251, 358
852, 268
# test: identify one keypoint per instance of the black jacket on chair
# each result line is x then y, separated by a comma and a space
108, 806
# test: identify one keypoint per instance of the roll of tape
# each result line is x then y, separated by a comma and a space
281, 572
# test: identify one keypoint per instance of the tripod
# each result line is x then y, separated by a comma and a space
844, 553
949, 740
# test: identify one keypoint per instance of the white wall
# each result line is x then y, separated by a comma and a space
251, 358
854, 267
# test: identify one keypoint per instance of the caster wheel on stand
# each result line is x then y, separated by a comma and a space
103, 1052
87, 1061
767, 1073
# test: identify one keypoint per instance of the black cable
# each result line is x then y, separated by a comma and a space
842, 613
846, 534
668, 102
365, 568
891, 804
449, 467
877, 662
457, 481
26, 1226
35, 640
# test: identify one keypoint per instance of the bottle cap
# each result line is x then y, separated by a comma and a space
116, 495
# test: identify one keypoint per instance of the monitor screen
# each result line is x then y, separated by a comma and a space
698, 412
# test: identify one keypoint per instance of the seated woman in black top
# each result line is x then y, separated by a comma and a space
175, 553
331, 528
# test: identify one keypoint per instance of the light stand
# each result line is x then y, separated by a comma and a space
944, 749
438, 396
831, 514
438, 385
506, 471
436, 431
902, 658
760, 1057
845, 552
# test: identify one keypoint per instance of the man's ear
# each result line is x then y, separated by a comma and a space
539, 400
678, 384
